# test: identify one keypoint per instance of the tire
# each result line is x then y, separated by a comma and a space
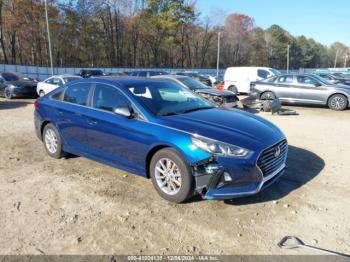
41, 93
52, 142
267, 106
8, 94
338, 102
267, 96
233, 89
179, 191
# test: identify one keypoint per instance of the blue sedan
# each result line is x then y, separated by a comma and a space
160, 130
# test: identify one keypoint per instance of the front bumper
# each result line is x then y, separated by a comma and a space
244, 189
226, 178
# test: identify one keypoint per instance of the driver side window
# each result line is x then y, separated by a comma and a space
109, 98
306, 80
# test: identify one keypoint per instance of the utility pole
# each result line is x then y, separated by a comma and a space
218, 56
346, 59
288, 48
336, 59
48, 35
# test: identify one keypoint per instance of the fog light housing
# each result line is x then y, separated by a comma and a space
227, 177
211, 168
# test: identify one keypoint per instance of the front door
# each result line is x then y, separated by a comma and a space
115, 138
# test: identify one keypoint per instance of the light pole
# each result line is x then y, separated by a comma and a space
336, 59
48, 35
288, 47
218, 56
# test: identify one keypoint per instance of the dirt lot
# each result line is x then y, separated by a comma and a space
77, 206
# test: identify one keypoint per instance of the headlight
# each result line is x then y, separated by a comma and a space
219, 148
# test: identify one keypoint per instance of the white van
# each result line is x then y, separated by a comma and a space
238, 79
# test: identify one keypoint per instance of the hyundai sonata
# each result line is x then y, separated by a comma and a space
163, 131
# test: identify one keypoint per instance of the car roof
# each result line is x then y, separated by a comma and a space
123, 81
65, 75
170, 76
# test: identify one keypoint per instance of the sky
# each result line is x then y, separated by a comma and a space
323, 20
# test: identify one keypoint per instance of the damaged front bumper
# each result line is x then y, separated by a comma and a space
220, 179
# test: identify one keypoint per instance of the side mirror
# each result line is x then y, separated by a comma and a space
124, 111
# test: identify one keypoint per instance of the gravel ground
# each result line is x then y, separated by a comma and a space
77, 206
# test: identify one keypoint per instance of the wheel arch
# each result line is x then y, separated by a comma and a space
338, 93
267, 91
44, 123
157, 148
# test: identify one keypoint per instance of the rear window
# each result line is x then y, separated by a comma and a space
77, 94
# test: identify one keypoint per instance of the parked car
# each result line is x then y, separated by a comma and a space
163, 131
238, 79
196, 76
220, 98
146, 73
335, 79
303, 89
16, 85
53, 82
118, 74
86, 73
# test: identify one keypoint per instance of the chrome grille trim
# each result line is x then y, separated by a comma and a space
268, 163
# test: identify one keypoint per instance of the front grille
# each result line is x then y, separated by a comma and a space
269, 161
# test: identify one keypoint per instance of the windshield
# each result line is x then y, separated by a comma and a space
167, 98
192, 84
275, 72
70, 78
10, 77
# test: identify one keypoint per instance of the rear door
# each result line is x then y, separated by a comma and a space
71, 115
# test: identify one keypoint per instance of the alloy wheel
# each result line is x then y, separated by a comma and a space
51, 141
168, 176
8, 94
338, 102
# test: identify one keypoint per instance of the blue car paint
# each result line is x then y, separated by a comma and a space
126, 143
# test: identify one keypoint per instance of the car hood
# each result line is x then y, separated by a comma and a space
231, 126
22, 83
214, 92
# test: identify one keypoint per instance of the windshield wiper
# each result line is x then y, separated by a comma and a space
197, 109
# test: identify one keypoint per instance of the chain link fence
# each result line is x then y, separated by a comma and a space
41, 73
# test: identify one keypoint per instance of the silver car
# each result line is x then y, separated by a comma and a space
302, 89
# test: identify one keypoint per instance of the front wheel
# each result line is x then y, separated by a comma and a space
171, 176
268, 96
52, 141
8, 94
338, 102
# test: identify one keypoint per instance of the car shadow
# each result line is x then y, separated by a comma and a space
12, 104
302, 166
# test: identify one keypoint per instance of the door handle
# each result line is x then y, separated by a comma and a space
92, 122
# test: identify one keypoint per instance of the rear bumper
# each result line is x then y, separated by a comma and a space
37, 124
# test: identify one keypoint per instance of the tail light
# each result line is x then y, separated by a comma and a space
36, 104
220, 86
